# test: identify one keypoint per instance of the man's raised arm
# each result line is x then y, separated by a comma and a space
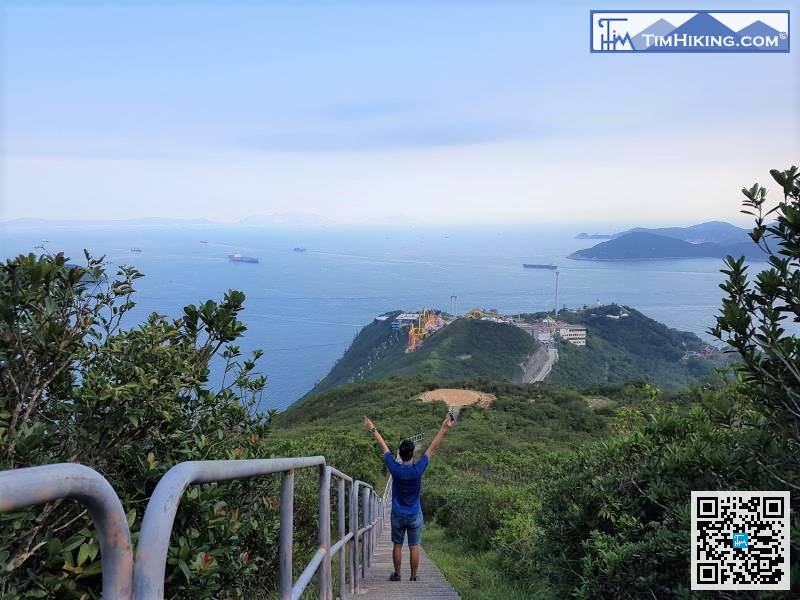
437, 440
374, 431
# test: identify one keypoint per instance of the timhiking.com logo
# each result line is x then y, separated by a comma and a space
689, 31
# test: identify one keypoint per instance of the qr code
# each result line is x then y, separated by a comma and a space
740, 540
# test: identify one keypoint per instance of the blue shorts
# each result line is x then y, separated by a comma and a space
404, 523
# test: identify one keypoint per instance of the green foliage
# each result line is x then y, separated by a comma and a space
634, 348
488, 467
613, 520
464, 349
74, 386
756, 311
474, 575
374, 343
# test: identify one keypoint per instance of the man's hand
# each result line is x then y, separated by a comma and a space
374, 431
446, 424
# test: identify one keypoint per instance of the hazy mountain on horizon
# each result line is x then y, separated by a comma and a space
716, 232
141, 221
285, 219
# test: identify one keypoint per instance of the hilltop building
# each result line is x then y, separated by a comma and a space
405, 320
574, 334
544, 330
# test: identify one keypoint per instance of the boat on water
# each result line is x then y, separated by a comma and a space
203, 241
299, 249
538, 266
237, 257
136, 249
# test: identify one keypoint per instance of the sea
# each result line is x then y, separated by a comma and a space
303, 309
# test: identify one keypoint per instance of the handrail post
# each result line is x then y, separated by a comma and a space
364, 540
372, 522
286, 534
326, 593
340, 507
368, 522
375, 522
354, 540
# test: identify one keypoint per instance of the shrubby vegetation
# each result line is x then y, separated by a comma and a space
619, 508
75, 386
636, 348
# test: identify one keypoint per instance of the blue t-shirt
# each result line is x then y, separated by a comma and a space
406, 484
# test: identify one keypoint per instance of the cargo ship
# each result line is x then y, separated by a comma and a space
239, 258
536, 266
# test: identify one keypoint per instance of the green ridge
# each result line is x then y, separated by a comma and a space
634, 348
466, 348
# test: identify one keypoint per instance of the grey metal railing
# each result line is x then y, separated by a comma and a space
416, 438
143, 579
21, 488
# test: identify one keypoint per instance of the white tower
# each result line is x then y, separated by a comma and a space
557, 275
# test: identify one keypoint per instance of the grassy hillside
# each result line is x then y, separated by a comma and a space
535, 414
489, 470
636, 348
464, 349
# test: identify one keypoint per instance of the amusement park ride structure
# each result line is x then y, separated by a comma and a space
428, 322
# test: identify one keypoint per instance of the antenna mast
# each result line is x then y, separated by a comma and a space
557, 275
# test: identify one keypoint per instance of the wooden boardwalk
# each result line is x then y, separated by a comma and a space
430, 581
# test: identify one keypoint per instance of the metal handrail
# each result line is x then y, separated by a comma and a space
143, 578
417, 437
21, 488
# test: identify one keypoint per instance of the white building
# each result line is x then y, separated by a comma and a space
574, 334
405, 320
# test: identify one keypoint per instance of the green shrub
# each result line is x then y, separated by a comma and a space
613, 522
130, 403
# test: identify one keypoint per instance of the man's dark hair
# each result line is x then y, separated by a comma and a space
406, 450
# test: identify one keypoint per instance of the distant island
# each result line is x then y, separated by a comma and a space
715, 239
593, 236
714, 232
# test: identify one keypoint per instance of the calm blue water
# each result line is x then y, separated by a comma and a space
303, 309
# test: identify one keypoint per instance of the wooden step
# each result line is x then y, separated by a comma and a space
430, 583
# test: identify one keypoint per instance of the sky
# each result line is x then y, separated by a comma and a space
436, 113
